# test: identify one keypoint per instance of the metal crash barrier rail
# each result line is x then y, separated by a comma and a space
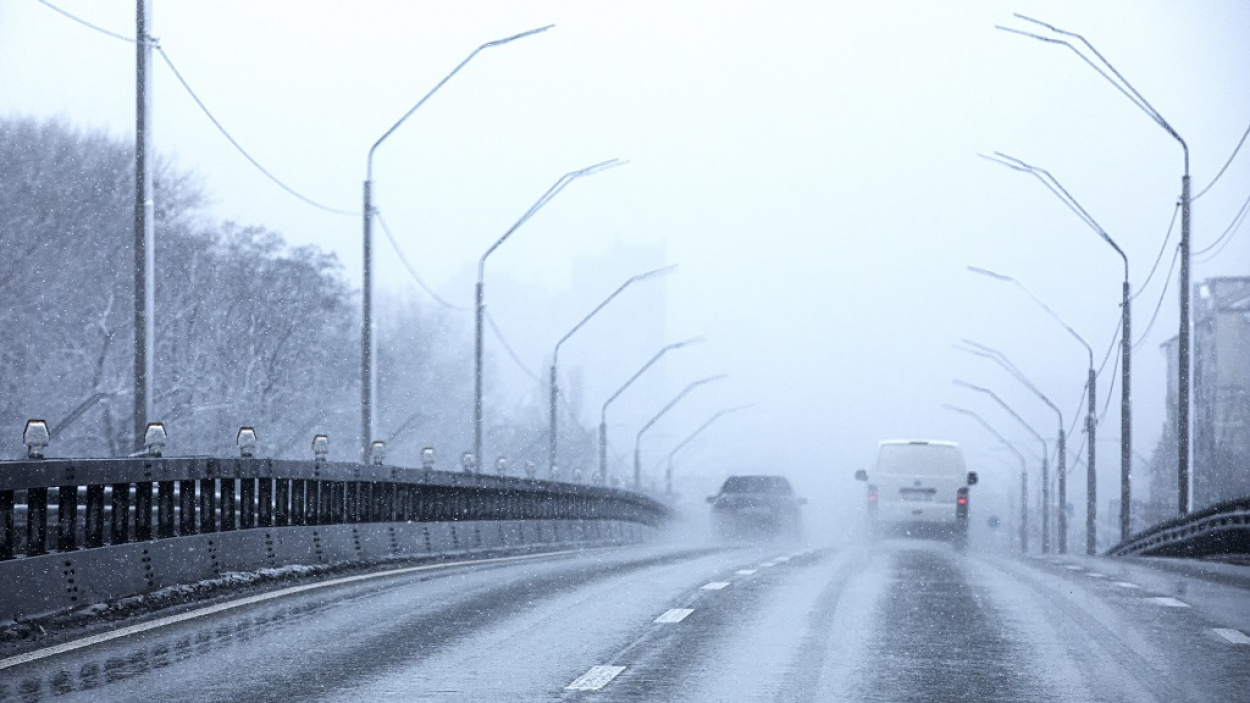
66, 505
1220, 529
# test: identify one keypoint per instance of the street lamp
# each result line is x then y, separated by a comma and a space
1024, 475
368, 346
668, 471
1091, 414
1126, 344
555, 355
480, 306
1045, 469
603, 413
663, 411
1183, 342
1061, 470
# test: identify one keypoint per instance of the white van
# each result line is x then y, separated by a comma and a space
919, 488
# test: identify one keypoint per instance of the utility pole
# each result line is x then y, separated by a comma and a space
144, 233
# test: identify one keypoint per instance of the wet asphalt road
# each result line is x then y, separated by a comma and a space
901, 621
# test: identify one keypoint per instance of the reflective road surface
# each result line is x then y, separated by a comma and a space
895, 621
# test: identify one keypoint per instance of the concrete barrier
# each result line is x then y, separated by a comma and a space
66, 581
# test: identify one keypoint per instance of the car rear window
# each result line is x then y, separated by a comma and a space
756, 484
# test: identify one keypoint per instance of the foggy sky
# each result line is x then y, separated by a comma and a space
812, 167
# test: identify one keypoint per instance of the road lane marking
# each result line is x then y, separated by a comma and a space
250, 600
780, 560
1169, 602
1126, 584
768, 564
745, 572
1234, 636
595, 679
674, 615
1074, 567
1096, 576
713, 586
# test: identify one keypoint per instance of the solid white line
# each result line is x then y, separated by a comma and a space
1169, 602
745, 572
595, 679
1126, 584
250, 600
713, 586
674, 615
1234, 636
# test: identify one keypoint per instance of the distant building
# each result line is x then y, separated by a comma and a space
1221, 394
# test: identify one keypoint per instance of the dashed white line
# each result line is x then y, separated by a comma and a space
595, 679
1074, 567
1096, 576
674, 615
1126, 584
745, 572
713, 586
1169, 602
768, 564
780, 560
1233, 636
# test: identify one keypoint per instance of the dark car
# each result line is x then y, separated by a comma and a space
756, 506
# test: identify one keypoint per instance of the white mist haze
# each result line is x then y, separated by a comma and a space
811, 167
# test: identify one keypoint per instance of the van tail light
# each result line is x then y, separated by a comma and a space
961, 496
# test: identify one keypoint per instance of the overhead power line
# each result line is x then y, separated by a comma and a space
204, 108
1225, 166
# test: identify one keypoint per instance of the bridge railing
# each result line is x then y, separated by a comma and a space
1220, 529
63, 505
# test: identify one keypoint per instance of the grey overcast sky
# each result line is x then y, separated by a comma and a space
812, 166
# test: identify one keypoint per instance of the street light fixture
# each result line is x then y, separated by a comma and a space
1091, 414
480, 306
1061, 469
555, 356
1183, 336
1024, 475
368, 346
1126, 343
668, 471
1045, 469
603, 413
663, 411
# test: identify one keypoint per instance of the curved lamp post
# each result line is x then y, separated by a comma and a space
663, 411
1024, 475
480, 306
1091, 414
1045, 469
368, 346
1126, 344
552, 458
1115, 78
1061, 469
603, 413
668, 471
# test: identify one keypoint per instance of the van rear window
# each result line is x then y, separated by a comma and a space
920, 459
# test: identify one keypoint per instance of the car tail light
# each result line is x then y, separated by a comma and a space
961, 496
872, 494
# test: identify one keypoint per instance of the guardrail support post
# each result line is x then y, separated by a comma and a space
67, 518
143, 511
165, 509
36, 521
93, 528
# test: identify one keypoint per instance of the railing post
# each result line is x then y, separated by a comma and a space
186, 507
247, 503
165, 509
36, 521
265, 502
93, 529
208, 506
8, 535
143, 511
226, 487
66, 518
282, 502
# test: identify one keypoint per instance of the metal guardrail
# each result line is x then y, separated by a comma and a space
1220, 529
65, 505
